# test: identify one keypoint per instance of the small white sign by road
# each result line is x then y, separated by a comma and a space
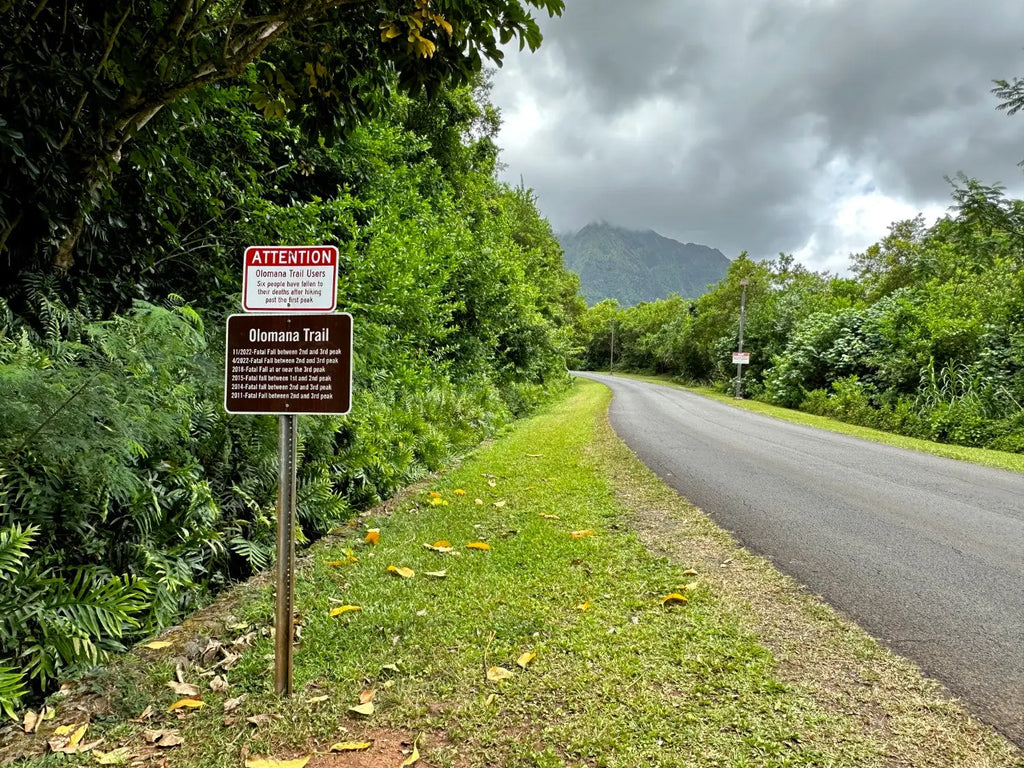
295, 278
741, 358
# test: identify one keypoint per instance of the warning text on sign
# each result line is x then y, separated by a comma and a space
290, 279
289, 364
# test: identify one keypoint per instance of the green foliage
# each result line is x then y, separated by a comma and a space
128, 495
926, 341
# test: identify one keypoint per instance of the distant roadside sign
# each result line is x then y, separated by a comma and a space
289, 364
301, 278
741, 358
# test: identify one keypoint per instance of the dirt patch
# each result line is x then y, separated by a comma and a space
885, 699
390, 749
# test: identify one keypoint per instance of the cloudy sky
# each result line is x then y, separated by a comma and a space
803, 126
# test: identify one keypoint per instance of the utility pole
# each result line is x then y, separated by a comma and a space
611, 351
743, 317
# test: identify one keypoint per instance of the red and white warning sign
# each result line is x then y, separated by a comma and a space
294, 278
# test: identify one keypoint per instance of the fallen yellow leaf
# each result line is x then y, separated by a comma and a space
335, 563
548, 517
156, 645
459, 492
524, 660
478, 501
76, 737
266, 762
581, 534
350, 746
500, 504
318, 699
690, 572
414, 756
490, 700
365, 709
673, 599
584, 606
436, 574
64, 730
492, 483
478, 545
117, 756
434, 495
186, 704
405, 573
497, 674
350, 557
367, 695
442, 544
438, 503
345, 609
373, 536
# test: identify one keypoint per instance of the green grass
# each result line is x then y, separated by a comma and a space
625, 682
1013, 462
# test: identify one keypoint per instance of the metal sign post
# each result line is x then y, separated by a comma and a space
298, 361
284, 624
743, 317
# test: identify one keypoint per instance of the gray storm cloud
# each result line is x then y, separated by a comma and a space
756, 125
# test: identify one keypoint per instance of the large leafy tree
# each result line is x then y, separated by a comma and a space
79, 79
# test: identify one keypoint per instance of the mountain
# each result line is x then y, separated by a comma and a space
633, 266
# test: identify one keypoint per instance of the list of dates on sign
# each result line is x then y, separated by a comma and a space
298, 364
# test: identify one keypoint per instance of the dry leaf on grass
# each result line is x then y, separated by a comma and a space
674, 599
344, 609
31, 721
584, 606
444, 547
183, 689
373, 536
459, 492
404, 572
478, 545
268, 762
524, 660
219, 684
479, 502
117, 756
690, 572
501, 503
157, 645
232, 704
187, 703
67, 738
436, 574
363, 709
367, 695
414, 756
581, 534
350, 746
497, 674
547, 517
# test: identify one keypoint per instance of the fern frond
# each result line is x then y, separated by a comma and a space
15, 544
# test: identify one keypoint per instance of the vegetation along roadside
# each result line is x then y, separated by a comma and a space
549, 602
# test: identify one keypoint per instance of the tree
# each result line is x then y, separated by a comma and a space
79, 79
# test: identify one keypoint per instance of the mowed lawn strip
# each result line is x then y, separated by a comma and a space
618, 678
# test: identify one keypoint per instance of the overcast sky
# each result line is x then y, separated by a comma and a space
803, 126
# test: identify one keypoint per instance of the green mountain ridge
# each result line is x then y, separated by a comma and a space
635, 266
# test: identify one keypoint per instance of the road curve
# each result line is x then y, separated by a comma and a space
925, 553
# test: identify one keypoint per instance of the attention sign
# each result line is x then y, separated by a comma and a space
741, 358
301, 278
289, 364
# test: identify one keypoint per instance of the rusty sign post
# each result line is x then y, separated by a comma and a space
288, 364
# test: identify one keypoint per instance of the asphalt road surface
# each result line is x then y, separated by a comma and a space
926, 554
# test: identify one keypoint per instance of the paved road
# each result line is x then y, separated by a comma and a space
926, 554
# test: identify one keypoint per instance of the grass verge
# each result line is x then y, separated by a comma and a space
750, 671
1013, 462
